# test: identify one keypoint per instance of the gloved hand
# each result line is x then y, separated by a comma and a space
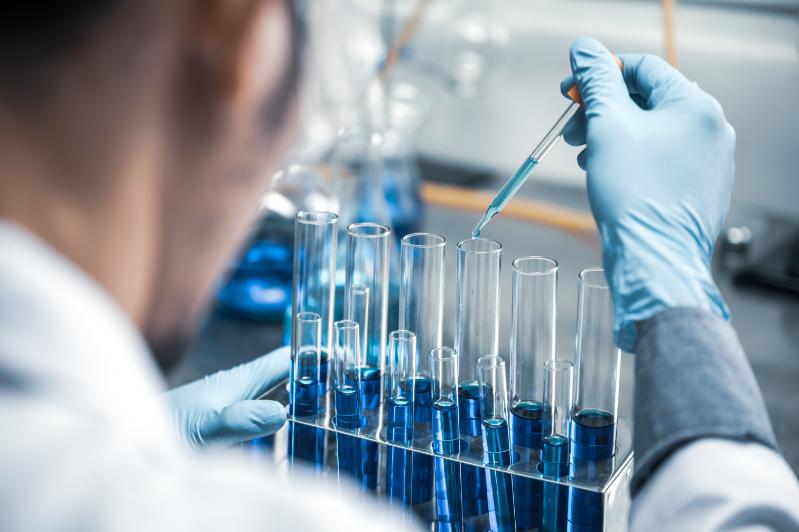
659, 158
223, 408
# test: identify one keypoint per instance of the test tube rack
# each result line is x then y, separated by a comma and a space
606, 491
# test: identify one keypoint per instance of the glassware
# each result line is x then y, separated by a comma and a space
446, 438
496, 444
593, 424
315, 235
421, 307
558, 383
593, 431
258, 282
399, 415
476, 335
367, 275
477, 320
306, 442
532, 344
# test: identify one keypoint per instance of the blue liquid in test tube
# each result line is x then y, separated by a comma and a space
366, 302
446, 439
306, 442
313, 289
558, 397
399, 416
593, 425
532, 345
476, 334
347, 356
555, 497
421, 310
496, 442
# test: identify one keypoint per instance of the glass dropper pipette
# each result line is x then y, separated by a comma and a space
518, 178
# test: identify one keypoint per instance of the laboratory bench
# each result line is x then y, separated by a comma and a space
767, 321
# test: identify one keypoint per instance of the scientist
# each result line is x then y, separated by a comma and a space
134, 141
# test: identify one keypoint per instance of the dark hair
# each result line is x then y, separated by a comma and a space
36, 32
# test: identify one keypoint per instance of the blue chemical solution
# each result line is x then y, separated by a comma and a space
259, 283
348, 415
324, 368
469, 403
474, 491
370, 387
593, 434
422, 477
399, 429
370, 451
504, 195
496, 452
585, 510
401, 187
370, 454
527, 421
473, 486
305, 396
307, 443
348, 410
399, 420
446, 442
259, 448
446, 437
555, 498
310, 382
422, 398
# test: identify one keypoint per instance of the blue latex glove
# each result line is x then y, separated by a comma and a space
659, 158
223, 408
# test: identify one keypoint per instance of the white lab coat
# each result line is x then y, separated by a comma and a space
86, 442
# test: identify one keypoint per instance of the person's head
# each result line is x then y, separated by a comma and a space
137, 135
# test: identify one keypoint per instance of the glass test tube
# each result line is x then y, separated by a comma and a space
593, 431
558, 383
421, 307
593, 425
306, 442
346, 360
358, 310
476, 335
532, 344
399, 415
305, 364
559, 386
421, 310
313, 286
402, 355
477, 320
496, 444
366, 301
446, 438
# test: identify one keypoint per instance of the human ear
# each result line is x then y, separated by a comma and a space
246, 45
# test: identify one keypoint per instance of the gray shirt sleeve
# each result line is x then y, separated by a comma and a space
692, 381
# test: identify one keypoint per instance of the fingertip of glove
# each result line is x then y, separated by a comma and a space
587, 51
586, 47
273, 412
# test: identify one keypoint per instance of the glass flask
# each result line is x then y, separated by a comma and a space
257, 284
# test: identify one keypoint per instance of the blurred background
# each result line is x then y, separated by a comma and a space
416, 111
